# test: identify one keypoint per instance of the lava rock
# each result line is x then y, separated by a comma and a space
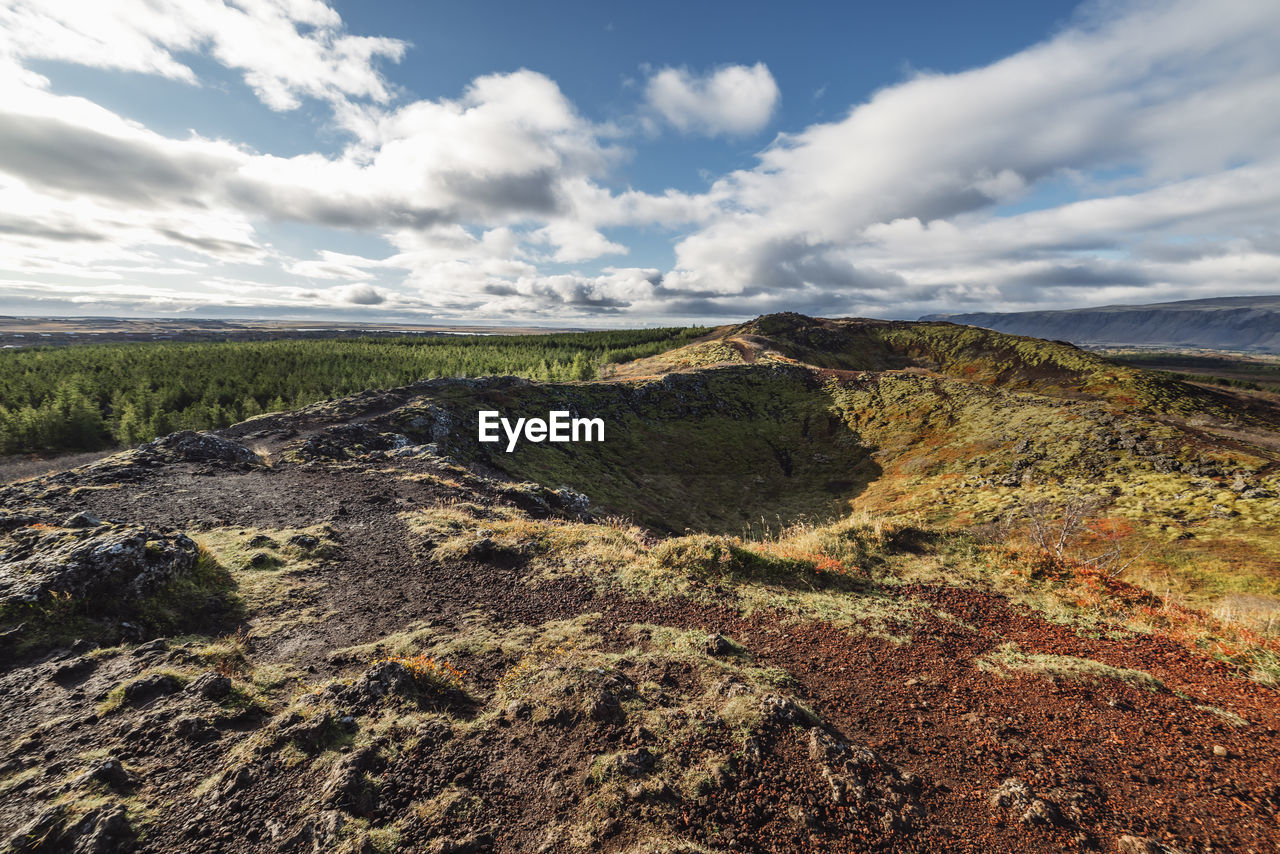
150, 648
1018, 798
635, 763
13, 521
212, 686
109, 772
717, 645
108, 563
1127, 844
347, 786
142, 691
782, 710
195, 729
193, 447
73, 672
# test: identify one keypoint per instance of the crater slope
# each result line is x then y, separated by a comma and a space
819, 589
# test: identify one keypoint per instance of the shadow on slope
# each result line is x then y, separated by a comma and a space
710, 451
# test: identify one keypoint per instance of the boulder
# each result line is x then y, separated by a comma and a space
210, 685
141, 691
347, 787
190, 446
109, 772
113, 562
717, 645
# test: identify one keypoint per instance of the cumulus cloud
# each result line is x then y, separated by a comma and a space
1154, 126
363, 295
1171, 97
734, 99
285, 49
510, 151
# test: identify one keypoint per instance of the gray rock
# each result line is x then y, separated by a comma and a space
305, 542
309, 733
717, 645
1017, 798
635, 763
195, 729
1127, 844
782, 710
347, 786
13, 521
151, 647
1012, 793
73, 672
604, 706
45, 827
82, 520
104, 830
113, 563
212, 686
473, 844
141, 691
328, 828
1043, 813
235, 781
189, 446
384, 679
110, 772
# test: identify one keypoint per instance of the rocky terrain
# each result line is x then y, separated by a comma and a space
1222, 323
825, 586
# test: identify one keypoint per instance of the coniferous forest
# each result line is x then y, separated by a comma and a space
82, 398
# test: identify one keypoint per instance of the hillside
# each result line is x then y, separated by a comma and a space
826, 585
1223, 323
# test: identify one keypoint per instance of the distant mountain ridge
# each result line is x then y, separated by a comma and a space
1222, 323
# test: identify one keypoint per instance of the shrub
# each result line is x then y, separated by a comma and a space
427, 672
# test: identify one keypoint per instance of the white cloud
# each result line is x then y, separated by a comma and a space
285, 49
1172, 97
576, 242
1158, 124
734, 99
362, 295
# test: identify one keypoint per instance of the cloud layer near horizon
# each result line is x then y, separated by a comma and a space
1134, 156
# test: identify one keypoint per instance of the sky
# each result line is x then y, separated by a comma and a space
603, 165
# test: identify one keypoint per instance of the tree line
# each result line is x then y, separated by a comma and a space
95, 396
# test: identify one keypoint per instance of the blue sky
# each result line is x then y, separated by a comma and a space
619, 164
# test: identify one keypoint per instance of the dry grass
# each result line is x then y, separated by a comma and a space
1009, 658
